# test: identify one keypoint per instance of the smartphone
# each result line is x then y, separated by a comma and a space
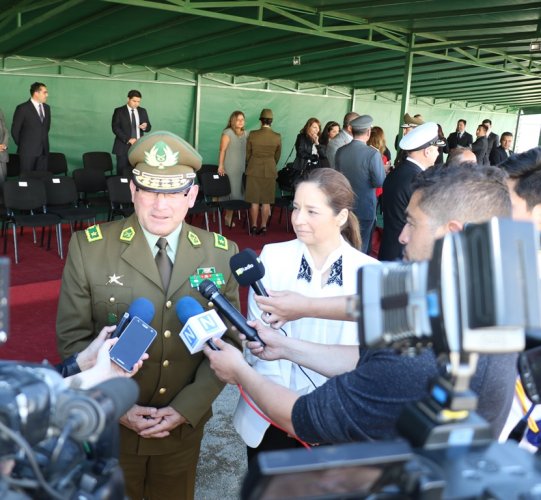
132, 344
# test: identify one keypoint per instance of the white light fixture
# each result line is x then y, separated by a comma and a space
296, 60
535, 46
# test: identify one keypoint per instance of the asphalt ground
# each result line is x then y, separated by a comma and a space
222, 462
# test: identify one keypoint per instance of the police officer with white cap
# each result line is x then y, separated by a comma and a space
153, 254
421, 147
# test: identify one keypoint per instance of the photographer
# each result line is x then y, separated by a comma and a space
370, 387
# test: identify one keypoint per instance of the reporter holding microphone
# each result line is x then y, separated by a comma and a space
321, 262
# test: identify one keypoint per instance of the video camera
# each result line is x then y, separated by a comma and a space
479, 294
57, 442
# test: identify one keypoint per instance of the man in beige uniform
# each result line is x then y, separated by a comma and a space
109, 266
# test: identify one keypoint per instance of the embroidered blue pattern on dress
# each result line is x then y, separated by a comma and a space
305, 272
335, 277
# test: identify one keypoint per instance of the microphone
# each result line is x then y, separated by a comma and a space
200, 326
210, 291
140, 307
88, 412
248, 270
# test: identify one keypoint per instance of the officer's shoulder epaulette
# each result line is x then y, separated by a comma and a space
220, 241
93, 233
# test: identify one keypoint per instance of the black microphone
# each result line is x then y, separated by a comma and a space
90, 411
248, 270
210, 291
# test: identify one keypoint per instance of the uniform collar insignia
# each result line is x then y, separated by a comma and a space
93, 233
127, 234
220, 241
115, 280
194, 239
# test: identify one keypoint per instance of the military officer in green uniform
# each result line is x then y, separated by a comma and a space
110, 265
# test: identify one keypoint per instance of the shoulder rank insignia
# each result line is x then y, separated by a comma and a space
93, 233
194, 239
220, 241
127, 234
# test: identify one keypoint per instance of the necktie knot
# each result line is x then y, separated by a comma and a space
162, 243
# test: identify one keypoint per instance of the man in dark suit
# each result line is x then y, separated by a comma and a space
480, 146
30, 129
460, 137
421, 147
503, 151
129, 123
363, 167
492, 138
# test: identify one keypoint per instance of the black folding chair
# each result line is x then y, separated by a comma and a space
91, 186
25, 203
63, 199
98, 160
218, 186
40, 175
118, 188
57, 164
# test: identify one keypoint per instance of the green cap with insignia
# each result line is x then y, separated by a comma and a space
164, 163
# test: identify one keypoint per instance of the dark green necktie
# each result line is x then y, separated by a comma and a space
165, 266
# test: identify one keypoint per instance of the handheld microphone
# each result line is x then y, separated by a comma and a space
210, 291
140, 307
200, 326
248, 270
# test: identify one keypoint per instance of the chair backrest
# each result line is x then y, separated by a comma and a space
57, 163
89, 180
14, 166
42, 175
24, 195
206, 168
119, 190
61, 191
99, 160
215, 185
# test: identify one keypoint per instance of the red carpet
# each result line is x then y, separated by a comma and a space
35, 285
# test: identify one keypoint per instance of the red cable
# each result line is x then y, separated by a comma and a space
262, 415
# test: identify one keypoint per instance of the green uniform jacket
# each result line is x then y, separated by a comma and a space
263, 150
103, 276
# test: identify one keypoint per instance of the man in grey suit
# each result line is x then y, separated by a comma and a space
344, 137
30, 129
363, 167
4, 138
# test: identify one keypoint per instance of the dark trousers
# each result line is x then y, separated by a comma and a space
367, 228
123, 166
274, 439
29, 163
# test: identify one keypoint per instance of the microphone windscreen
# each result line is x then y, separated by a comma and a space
187, 307
143, 309
246, 267
124, 392
207, 288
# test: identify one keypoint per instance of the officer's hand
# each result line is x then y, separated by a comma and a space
227, 363
138, 418
170, 418
280, 307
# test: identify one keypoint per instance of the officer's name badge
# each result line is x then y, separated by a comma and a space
220, 241
127, 234
93, 233
207, 273
194, 239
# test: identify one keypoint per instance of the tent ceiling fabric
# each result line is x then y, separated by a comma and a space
475, 52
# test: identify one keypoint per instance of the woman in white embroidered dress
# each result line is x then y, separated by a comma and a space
321, 262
